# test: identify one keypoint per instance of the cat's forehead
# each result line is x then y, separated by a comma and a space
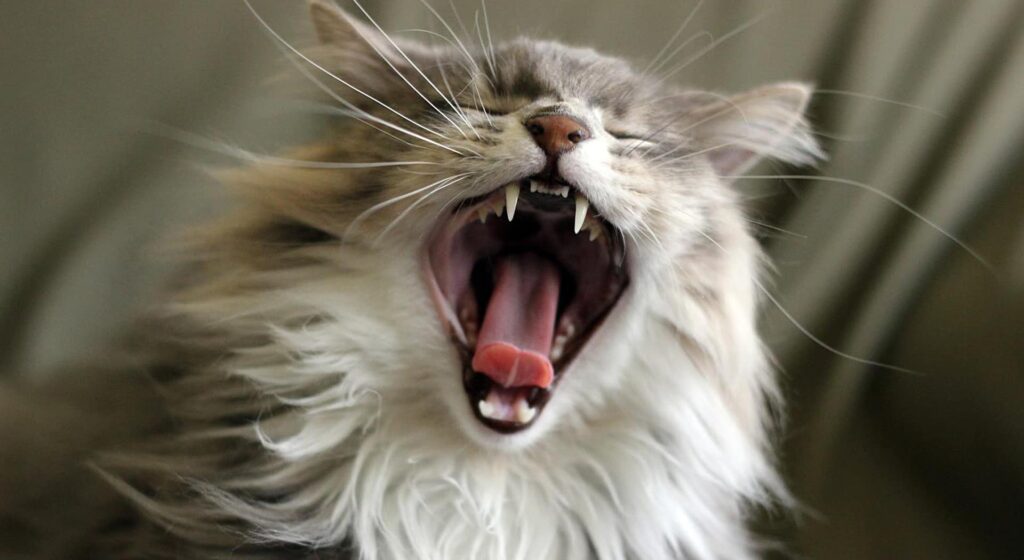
538, 69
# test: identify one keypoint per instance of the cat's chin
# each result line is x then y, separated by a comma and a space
522, 278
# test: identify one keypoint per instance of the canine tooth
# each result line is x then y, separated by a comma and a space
486, 410
511, 199
524, 412
581, 211
497, 205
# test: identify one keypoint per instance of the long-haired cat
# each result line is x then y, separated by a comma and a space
504, 309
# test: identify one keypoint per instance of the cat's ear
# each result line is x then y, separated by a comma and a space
352, 47
336, 28
768, 122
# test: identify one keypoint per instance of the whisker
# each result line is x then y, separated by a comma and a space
716, 114
804, 330
870, 97
700, 54
483, 46
359, 114
381, 205
672, 39
335, 111
690, 155
451, 32
839, 137
414, 67
462, 24
478, 100
459, 109
487, 26
879, 192
313, 63
677, 50
447, 183
237, 152
757, 223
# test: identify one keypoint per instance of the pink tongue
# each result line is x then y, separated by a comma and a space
515, 339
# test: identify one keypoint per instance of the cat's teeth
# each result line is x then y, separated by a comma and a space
581, 211
595, 230
524, 412
483, 213
553, 191
498, 206
558, 347
486, 409
511, 199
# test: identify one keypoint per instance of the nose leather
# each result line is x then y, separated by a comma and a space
556, 134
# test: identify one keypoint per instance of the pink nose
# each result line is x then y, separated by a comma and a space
556, 134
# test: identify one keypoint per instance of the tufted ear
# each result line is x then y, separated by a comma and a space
357, 51
767, 122
335, 28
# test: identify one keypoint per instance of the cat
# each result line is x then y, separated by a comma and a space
505, 308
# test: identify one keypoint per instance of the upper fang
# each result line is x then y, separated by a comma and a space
511, 199
581, 212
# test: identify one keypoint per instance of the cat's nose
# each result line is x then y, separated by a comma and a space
556, 134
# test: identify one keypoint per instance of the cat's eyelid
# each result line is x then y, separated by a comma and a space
627, 135
491, 111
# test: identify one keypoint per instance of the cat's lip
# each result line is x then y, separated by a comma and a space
554, 222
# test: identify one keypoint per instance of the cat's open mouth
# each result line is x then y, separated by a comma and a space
523, 277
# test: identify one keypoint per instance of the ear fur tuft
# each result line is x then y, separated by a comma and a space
767, 122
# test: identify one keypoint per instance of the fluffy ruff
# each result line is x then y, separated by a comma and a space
350, 448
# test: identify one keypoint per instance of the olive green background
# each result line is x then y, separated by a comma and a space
887, 464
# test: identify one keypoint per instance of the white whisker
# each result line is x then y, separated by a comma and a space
686, 43
712, 116
713, 45
981, 260
313, 63
806, 332
458, 107
445, 184
335, 111
483, 45
451, 32
355, 112
684, 157
381, 205
490, 42
679, 31
411, 63
224, 148
757, 223
870, 97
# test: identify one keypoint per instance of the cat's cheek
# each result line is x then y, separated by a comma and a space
589, 168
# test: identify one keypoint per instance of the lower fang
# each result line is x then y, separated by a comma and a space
524, 412
486, 409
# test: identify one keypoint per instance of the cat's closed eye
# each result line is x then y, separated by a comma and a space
619, 135
614, 133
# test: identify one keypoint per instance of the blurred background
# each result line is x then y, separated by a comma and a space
921, 104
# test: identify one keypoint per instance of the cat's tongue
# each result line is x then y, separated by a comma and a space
515, 339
